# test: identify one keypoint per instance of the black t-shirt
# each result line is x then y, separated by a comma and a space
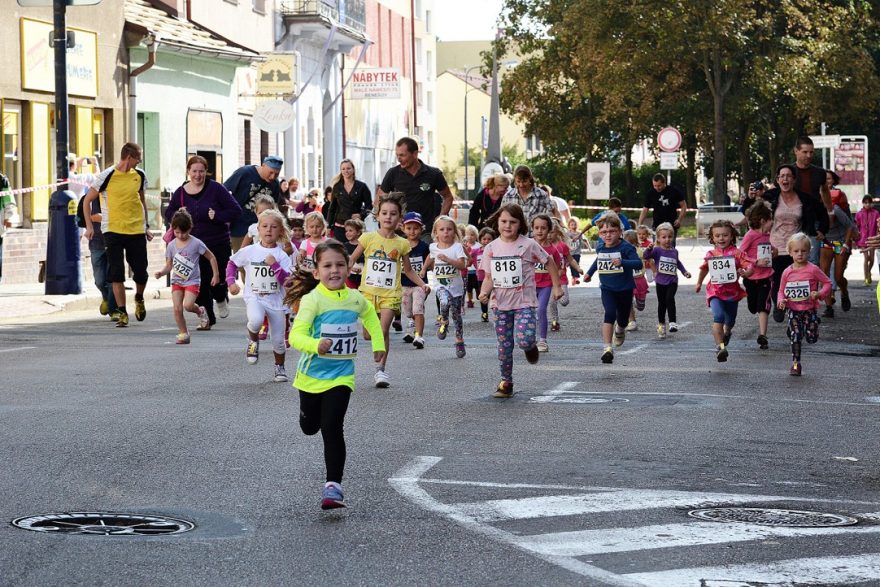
665, 204
420, 189
246, 184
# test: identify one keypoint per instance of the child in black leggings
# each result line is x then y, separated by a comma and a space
665, 259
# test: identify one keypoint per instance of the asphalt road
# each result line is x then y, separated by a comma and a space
585, 477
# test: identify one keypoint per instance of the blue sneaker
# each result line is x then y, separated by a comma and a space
331, 496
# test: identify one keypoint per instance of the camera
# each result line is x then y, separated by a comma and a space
757, 186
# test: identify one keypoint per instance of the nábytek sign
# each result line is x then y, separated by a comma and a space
379, 83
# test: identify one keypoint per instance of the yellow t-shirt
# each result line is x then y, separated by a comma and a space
383, 262
121, 206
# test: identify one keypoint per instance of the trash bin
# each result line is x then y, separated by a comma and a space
63, 272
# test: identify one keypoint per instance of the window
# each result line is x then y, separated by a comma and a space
148, 137
264, 145
429, 59
430, 101
247, 142
260, 6
419, 93
418, 51
428, 21
418, 9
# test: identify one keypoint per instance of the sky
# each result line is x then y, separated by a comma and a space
466, 20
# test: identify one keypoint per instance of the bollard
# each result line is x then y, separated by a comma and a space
63, 273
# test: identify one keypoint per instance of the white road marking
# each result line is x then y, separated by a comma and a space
831, 570
635, 349
20, 348
610, 540
161, 329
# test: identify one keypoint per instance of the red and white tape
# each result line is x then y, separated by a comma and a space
32, 189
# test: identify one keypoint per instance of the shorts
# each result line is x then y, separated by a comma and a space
122, 248
836, 246
758, 294
185, 288
413, 301
384, 303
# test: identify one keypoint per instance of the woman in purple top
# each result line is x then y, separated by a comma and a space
212, 208
667, 264
309, 203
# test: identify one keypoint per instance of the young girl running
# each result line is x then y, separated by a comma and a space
640, 293
756, 245
315, 226
448, 258
615, 260
724, 265
509, 267
577, 244
801, 287
559, 239
386, 257
645, 236
487, 235
471, 244
542, 225
182, 262
665, 258
866, 223
354, 228
325, 331
266, 267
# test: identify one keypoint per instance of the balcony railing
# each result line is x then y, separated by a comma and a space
349, 13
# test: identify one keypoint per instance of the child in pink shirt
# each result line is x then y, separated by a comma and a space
724, 265
508, 264
801, 287
866, 223
756, 245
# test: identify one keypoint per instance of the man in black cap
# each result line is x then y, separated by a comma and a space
248, 182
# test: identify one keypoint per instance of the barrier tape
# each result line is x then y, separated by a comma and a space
33, 189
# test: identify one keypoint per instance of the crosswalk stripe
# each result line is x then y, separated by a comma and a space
831, 570
610, 540
572, 505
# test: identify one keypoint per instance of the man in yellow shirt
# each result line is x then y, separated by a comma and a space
125, 227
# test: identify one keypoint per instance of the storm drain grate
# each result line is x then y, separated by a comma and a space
104, 524
773, 517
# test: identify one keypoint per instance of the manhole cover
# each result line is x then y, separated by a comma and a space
104, 524
773, 517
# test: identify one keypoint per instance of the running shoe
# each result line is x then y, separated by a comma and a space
441, 330
763, 343
470, 303
182, 338
721, 354
114, 315
661, 331
484, 316
619, 335
673, 327
381, 379
398, 327
554, 325
140, 310
331, 496
829, 312
632, 326
439, 319
252, 352
727, 335
459, 350
533, 354
204, 323
223, 309
778, 315
104, 308
408, 337
608, 356
845, 304
542, 346
418, 342
280, 374
505, 389
795, 369
122, 321
868, 280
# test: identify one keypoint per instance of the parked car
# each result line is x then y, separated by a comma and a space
709, 213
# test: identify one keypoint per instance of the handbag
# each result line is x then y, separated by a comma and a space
169, 234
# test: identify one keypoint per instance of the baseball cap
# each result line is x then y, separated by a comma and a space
274, 161
71, 157
413, 217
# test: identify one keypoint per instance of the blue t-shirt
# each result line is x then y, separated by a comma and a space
417, 258
624, 222
616, 278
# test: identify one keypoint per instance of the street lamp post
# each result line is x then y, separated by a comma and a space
467, 185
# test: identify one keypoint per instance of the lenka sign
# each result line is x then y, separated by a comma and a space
274, 116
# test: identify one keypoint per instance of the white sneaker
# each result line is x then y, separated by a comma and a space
381, 379
543, 347
661, 331
419, 342
619, 336
673, 327
280, 374
632, 326
223, 309
204, 322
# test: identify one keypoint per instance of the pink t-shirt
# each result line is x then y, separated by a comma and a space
725, 263
756, 245
542, 274
866, 222
799, 282
527, 252
786, 222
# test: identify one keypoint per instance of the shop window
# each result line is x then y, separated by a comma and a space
10, 143
148, 134
204, 136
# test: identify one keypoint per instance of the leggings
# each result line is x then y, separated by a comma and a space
575, 274
325, 411
449, 302
208, 294
724, 311
543, 302
553, 306
618, 305
802, 324
513, 325
256, 311
666, 301
780, 263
